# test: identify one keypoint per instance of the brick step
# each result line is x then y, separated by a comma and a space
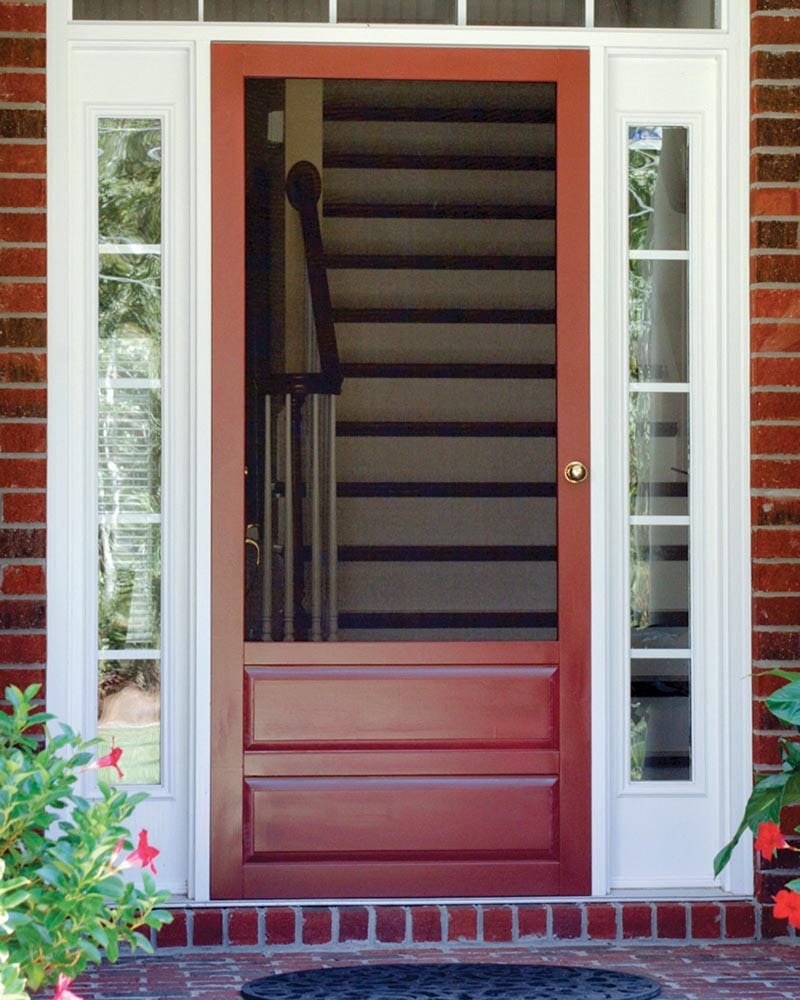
467, 925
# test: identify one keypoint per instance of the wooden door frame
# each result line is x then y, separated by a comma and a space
231, 65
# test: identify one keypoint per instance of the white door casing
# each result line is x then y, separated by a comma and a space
692, 78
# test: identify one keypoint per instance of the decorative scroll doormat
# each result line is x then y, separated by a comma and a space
452, 982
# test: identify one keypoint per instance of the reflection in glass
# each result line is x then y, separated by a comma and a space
659, 453
567, 13
656, 13
661, 720
135, 10
129, 609
659, 576
129, 180
129, 450
397, 11
657, 181
129, 447
265, 10
130, 316
658, 320
129, 718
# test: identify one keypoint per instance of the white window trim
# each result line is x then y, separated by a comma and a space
67, 549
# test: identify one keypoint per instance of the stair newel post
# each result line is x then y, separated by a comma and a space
288, 543
333, 549
316, 524
266, 544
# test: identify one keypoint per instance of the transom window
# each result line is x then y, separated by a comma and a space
697, 14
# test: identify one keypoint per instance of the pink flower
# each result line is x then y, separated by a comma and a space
111, 759
143, 855
62, 992
769, 839
787, 904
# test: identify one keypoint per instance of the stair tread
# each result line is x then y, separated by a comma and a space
442, 428
427, 370
436, 161
443, 262
410, 113
443, 315
447, 619
416, 210
445, 489
447, 553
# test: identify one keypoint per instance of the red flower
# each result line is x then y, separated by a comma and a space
144, 854
769, 839
62, 992
787, 905
111, 759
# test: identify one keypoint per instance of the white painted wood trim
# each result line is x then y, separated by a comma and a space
67, 544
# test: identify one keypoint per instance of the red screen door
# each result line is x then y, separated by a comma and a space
438, 743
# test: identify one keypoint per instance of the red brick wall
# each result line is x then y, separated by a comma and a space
775, 366
775, 347
23, 400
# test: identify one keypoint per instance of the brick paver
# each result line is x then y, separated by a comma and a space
687, 972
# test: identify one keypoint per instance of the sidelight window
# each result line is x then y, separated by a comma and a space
659, 381
129, 329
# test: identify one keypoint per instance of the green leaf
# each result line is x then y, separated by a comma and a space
790, 753
794, 885
764, 805
785, 703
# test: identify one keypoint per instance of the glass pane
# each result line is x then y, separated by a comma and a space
129, 586
656, 13
129, 718
659, 569
129, 450
130, 316
657, 180
135, 10
659, 453
661, 720
543, 12
129, 447
129, 180
658, 321
398, 11
265, 10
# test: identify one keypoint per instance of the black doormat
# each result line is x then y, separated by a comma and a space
452, 982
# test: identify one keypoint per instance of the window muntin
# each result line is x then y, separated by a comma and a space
129, 429
658, 333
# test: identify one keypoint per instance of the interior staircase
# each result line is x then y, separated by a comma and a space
439, 234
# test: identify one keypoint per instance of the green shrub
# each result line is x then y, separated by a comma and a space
63, 901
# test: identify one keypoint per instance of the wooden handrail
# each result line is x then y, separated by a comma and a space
303, 189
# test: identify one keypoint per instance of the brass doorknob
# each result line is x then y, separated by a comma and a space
575, 472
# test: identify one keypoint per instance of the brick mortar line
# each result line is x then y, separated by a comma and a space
776, 150
22, 140
22, 105
42, 351
22, 176
777, 593
25, 279
22, 385
22, 246
22, 315
23, 210
780, 355
778, 82
756, 252
790, 629
755, 116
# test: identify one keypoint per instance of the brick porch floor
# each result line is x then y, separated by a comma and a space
686, 972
